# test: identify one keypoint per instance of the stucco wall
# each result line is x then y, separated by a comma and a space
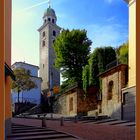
33, 95
132, 43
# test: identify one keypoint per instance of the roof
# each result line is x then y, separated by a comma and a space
9, 72
49, 12
113, 70
25, 64
48, 23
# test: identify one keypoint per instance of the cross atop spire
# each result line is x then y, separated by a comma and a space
49, 3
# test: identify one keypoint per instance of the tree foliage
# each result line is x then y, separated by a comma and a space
97, 64
72, 50
122, 52
23, 81
85, 77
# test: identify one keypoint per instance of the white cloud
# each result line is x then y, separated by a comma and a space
111, 1
32, 6
110, 19
108, 1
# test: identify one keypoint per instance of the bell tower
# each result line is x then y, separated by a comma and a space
47, 34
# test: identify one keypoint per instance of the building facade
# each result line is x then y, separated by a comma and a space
34, 95
48, 32
5, 64
113, 80
129, 93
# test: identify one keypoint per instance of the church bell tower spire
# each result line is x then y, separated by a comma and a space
48, 32
49, 3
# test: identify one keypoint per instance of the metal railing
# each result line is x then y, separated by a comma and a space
25, 100
113, 64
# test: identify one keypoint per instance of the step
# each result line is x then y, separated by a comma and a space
118, 122
34, 134
127, 124
26, 128
34, 130
105, 121
41, 137
87, 121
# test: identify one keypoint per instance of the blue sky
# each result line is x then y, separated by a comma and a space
106, 22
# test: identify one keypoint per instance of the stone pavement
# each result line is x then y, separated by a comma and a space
86, 131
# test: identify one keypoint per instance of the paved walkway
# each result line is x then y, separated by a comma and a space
87, 131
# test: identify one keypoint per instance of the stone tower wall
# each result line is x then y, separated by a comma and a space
50, 75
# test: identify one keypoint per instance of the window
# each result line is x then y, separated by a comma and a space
110, 89
43, 34
45, 20
52, 20
71, 104
43, 65
54, 33
43, 43
49, 19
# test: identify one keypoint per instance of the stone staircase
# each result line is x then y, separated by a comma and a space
109, 121
22, 132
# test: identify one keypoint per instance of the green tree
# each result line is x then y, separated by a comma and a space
85, 77
23, 81
72, 50
122, 52
97, 64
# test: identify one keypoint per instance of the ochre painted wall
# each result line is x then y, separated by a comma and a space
132, 43
8, 57
5, 56
2, 70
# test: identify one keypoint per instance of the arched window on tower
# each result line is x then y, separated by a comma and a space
49, 19
54, 33
43, 43
43, 34
52, 20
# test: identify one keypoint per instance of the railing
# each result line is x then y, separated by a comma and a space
113, 64
25, 100
74, 85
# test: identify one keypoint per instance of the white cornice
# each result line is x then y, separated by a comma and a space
130, 2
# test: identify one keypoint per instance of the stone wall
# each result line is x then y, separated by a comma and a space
112, 107
71, 102
112, 98
63, 104
60, 105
